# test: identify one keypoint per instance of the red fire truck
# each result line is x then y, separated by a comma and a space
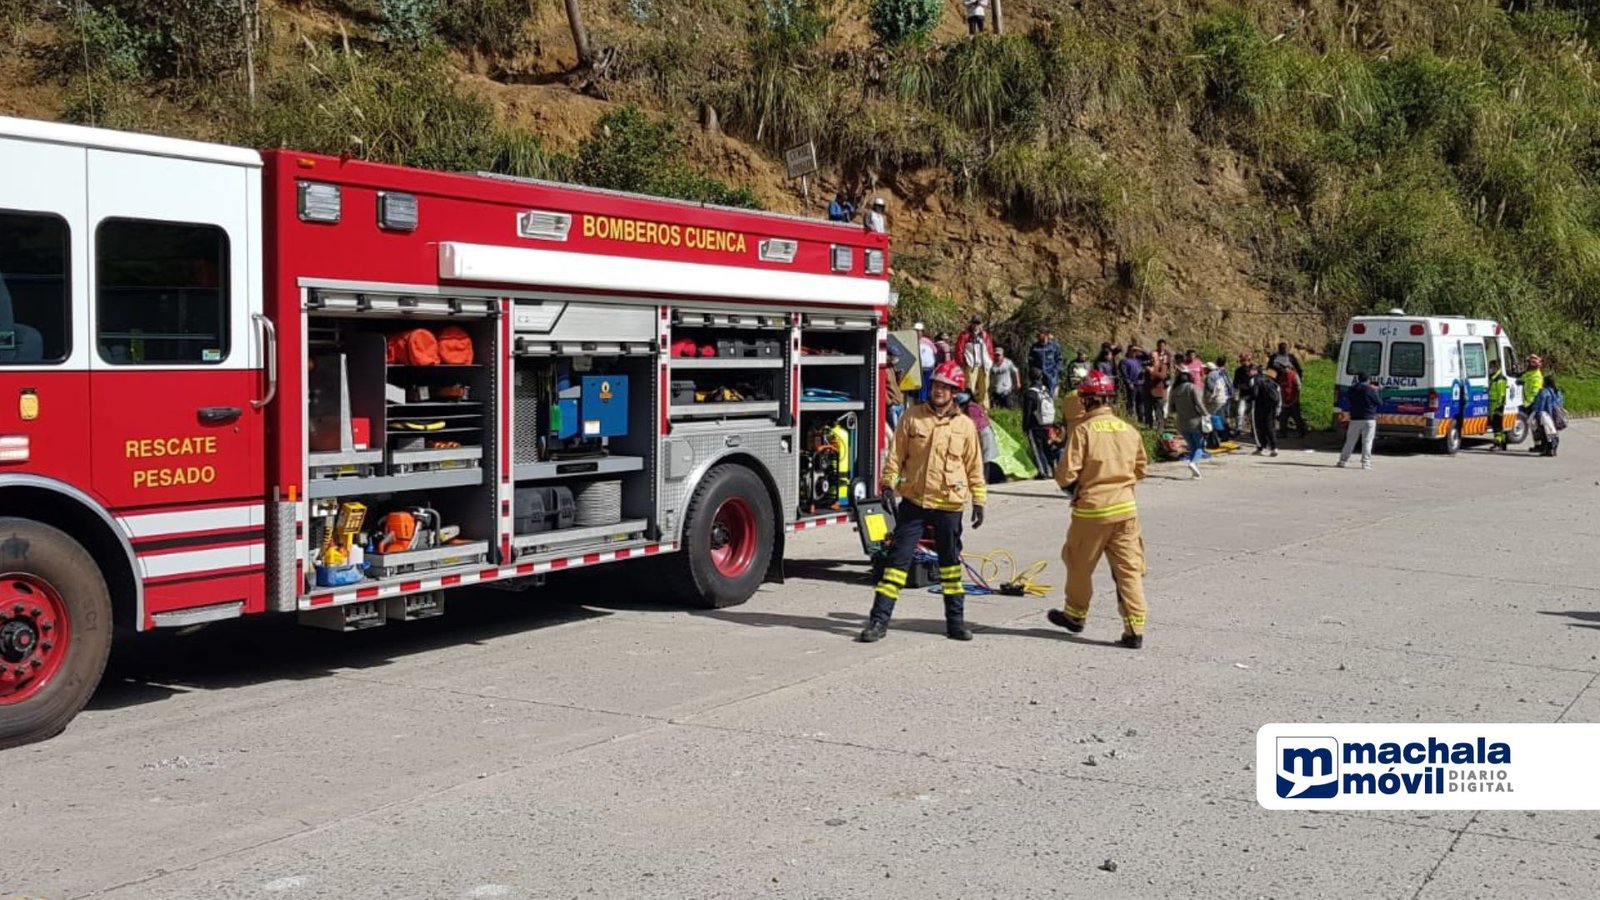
236, 383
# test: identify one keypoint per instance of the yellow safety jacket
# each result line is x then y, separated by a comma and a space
935, 460
1105, 458
1532, 382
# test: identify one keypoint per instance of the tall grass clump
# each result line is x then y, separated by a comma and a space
396, 106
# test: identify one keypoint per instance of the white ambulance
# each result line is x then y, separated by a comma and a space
1432, 373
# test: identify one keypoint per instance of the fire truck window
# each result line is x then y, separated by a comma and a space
35, 289
162, 294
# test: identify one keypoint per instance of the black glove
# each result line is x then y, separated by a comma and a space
1071, 490
977, 517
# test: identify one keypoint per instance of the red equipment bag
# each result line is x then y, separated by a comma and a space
455, 346
417, 347
683, 347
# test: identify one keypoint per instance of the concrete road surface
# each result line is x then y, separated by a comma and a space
586, 741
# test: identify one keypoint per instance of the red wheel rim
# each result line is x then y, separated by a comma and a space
733, 537
35, 632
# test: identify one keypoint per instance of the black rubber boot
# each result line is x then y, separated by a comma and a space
1132, 641
1555, 444
1058, 617
955, 618
878, 620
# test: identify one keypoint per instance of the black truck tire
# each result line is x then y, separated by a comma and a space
55, 630
727, 541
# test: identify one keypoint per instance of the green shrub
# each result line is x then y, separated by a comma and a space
195, 39
785, 96
409, 22
117, 50
937, 312
494, 26
990, 82
630, 151
897, 21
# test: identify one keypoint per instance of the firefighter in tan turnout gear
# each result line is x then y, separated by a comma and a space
1105, 458
936, 466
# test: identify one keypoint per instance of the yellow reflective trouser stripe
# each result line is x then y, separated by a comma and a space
1077, 613
895, 577
889, 590
953, 587
950, 571
1104, 512
1136, 621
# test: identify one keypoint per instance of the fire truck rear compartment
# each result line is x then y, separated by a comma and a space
402, 446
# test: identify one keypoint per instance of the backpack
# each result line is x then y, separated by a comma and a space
1044, 405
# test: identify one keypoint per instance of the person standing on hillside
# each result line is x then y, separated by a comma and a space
1158, 383
1130, 377
894, 396
1283, 360
1038, 415
1079, 367
927, 356
1289, 386
1219, 397
977, 14
841, 209
1045, 355
1499, 387
877, 218
1265, 401
975, 354
1005, 378
1104, 461
935, 465
1195, 367
1241, 400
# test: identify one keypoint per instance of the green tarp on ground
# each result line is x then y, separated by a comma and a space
1013, 459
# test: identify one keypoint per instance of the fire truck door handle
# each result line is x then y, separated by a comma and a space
219, 415
269, 352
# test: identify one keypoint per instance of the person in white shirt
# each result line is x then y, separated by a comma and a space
977, 10
876, 219
1004, 378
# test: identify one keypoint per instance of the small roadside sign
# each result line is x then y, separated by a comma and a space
801, 160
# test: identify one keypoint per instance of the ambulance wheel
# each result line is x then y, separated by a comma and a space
727, 540
1452, 438
1519, 431
55, 630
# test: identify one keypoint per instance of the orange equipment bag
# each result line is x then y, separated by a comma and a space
455, 346
417, 347
399, 532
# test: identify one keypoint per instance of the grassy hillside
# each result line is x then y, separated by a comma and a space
1227, 172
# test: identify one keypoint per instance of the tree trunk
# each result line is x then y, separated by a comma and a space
249, 16
580, 34
998, 22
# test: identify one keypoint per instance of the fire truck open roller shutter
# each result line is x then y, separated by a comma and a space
627, 275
